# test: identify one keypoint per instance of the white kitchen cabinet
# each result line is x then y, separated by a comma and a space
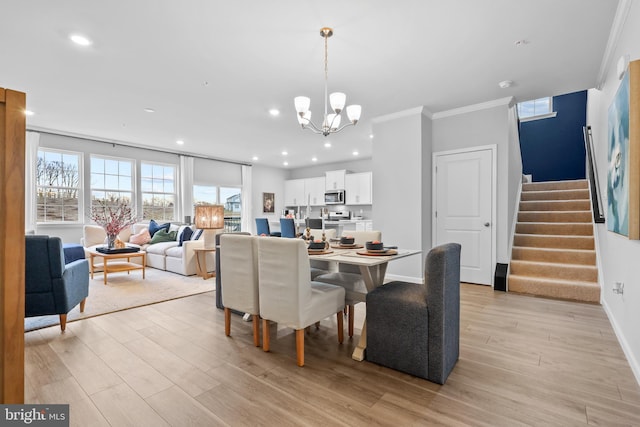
294, 194
314, 189
334, 180
358, 188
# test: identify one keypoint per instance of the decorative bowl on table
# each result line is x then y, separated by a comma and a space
318, 245
347, 240
374, 246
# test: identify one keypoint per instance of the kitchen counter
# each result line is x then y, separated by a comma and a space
339, 225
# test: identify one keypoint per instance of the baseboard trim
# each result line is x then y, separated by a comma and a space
633, 362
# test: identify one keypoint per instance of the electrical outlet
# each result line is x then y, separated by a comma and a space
618, 288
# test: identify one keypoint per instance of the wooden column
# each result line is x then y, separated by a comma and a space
12, 165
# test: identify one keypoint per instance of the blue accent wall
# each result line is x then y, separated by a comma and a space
553, 148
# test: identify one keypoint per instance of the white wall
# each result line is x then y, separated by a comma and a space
487, 125
399, 187
618, 255
267, 180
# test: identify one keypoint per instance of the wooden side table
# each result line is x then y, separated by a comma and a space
201, 262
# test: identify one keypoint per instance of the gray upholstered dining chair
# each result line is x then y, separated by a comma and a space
415, 328
287, 294
239, 261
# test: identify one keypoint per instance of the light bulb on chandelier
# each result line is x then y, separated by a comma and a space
337, 100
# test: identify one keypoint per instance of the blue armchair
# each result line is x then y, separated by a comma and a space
51, 286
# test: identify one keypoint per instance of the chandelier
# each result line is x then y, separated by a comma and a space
330, 122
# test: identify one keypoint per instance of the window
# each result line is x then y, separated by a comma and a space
58, 186
232, 201
158, 191
536, 109
205, 195
111, 180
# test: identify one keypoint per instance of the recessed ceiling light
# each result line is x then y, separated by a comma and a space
180, 142
274, 112
149, 110
80, 40
327, 144
314, 159
355, 153
370, 136
284, 153
28, 113
286, 163
254, 158
505, 84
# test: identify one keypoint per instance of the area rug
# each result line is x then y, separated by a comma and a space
124, 291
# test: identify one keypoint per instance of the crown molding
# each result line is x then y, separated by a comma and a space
622, 12
404, 113
40, 129
475, 107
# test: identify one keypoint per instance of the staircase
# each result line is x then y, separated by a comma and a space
553, 250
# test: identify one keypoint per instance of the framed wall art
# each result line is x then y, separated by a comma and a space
623, 172
268, 202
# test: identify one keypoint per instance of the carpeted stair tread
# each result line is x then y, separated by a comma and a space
555, 185
582, 273
577, 194
554, 241
558, 228
555, 216
555, 288
553, 252
554, 255
555, 205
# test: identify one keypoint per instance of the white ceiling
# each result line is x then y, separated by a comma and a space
255, 55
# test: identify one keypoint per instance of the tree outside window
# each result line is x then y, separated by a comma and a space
158, 191
58, 186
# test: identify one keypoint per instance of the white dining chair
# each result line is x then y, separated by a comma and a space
239, 262
287, 294
349, 277
321, 267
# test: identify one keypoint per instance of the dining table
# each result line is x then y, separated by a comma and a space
372, 266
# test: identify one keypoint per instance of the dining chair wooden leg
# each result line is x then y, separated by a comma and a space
63, 322
300, 346
340, 318
317, 325
265, 335
82, 303
352, 313
227, 321
256, 330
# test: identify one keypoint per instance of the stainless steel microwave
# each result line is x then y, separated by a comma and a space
334, 197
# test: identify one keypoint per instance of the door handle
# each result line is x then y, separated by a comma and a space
486, 224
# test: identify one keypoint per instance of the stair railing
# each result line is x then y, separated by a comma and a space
592, 172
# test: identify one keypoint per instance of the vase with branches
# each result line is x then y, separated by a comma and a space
114, 215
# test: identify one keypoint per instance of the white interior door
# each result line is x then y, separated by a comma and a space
463, 209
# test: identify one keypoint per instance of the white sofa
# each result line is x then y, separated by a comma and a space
166, 256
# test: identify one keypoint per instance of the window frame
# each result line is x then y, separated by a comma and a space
107, 190
549, 114
174, 216
79, 189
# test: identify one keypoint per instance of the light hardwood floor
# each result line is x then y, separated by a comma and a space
523, 361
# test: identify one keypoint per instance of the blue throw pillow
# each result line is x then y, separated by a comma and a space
154, 227
186, 235
196, 234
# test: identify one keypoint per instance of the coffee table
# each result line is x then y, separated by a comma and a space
117, 266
